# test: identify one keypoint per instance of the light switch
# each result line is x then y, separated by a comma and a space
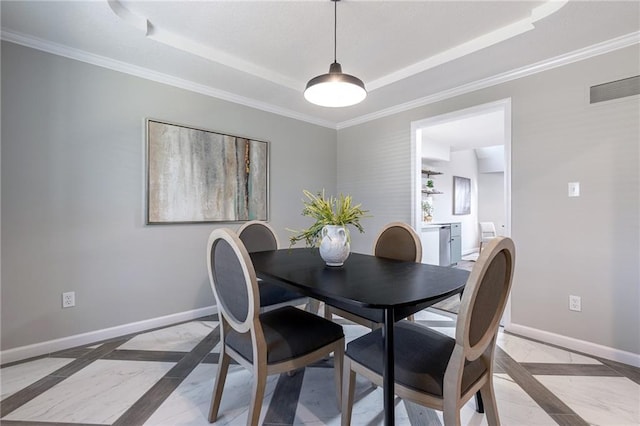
574, 189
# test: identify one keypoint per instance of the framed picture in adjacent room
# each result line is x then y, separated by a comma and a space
197, 175
461, 195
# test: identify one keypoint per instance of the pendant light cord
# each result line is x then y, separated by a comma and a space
335, 30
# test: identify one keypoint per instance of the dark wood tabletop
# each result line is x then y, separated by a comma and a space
363, 280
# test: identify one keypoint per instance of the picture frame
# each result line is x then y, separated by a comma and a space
197, 176
461, 195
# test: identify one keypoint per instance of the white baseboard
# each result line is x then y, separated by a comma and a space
472, 251
590, 348
43, 348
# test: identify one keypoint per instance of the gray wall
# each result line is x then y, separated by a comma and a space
587, 246
72, 195
374, 166
73, 191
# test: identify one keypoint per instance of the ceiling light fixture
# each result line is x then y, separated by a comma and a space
335, 89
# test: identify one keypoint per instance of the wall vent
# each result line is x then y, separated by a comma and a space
615, 89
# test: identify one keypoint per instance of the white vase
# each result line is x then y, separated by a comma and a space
334, 247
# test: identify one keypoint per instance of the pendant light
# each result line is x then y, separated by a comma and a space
335, 89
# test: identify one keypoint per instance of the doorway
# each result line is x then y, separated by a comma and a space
473, 143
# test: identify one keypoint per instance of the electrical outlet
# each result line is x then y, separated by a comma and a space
69, 299
575, 303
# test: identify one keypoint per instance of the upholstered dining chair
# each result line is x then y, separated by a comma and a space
435, 370
264, 343
396, 241
487, 233
260, 236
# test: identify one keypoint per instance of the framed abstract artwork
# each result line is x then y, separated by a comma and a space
461, 195
196, 175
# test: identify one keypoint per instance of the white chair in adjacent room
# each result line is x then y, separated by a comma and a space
487, 232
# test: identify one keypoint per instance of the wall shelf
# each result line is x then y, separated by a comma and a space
428, 174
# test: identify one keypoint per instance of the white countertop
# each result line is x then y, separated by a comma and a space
435, 225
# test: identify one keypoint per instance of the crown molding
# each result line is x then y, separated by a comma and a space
209, 53
105, 62
140, 23
548, 64
113, 64
485, 40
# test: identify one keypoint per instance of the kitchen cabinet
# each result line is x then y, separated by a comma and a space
441, 243
456, 243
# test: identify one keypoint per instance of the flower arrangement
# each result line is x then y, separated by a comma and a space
327, 211
427, 211
427, 208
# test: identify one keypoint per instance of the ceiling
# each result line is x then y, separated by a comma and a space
482, 129
262, 53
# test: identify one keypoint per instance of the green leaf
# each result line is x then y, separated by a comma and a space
327, 211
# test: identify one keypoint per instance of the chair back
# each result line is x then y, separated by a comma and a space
398, 241
487, 231
233, 280
485, 297
258, 236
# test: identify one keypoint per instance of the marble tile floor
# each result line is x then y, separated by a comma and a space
165, 377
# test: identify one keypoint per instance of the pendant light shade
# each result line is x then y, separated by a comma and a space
335, 89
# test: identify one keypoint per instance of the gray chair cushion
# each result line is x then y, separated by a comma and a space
289, 333
421, 357
272, 294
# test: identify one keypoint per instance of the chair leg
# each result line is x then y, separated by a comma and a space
451, 417
327, 312
313, 306
338, 362
221, 376
450, 408
348, 390
489, 399
259, 384
479, 404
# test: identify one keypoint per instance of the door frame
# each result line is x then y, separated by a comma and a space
416, 163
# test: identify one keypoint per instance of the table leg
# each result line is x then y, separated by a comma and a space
388, 368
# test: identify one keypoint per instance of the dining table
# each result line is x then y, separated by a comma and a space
382, 290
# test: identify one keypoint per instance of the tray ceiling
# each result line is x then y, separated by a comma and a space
262, 53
